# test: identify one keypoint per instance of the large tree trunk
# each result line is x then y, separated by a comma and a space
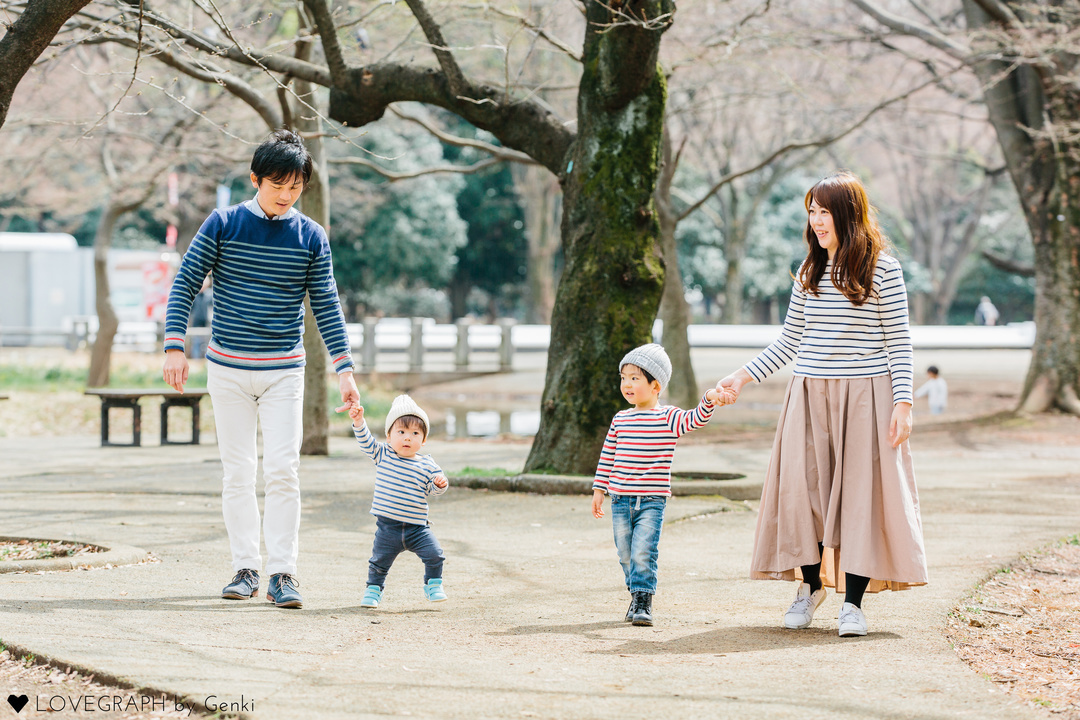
316, 205
101, 354
27, 38
542, 198
610, 290
674, 311
1035, 113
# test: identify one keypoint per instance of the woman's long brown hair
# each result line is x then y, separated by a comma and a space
857, 232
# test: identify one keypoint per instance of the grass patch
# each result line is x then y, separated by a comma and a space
486, 472
31, 378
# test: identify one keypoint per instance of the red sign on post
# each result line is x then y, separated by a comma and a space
157, 278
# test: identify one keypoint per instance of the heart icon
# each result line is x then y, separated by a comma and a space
17, 702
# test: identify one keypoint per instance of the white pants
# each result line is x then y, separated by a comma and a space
274, 398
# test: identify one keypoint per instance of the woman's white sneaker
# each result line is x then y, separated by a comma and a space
852, 621
801, 612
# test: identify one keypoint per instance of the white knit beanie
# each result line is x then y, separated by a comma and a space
652, 359
405, 405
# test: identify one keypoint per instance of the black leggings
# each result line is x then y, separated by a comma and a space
856, 584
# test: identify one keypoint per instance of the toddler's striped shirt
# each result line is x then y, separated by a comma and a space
637, 453
828, 336
402, 485
262, 269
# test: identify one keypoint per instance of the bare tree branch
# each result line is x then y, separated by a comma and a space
408, 175
26, 38
324, 21
791, 147
914, 29
500, 153
1009, 266
1000, 12
531, 26
433, 33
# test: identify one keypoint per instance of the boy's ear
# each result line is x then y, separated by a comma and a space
656, 386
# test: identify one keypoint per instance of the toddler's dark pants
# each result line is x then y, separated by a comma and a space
392, 538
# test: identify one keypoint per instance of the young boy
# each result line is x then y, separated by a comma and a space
935, 390
635, 468
403, 480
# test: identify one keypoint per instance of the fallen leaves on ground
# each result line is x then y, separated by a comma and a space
1021, 629
43, 549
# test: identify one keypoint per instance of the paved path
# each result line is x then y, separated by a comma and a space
533, 626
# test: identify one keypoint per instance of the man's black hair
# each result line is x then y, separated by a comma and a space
281, 157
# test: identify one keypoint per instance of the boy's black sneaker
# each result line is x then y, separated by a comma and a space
283, 592
643, 612
633, 607
244, 585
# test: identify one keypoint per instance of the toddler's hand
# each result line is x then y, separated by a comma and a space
357, 415
440, 481
727, 397
598, 503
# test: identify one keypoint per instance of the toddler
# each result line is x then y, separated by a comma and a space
403, 481
635, 468
935, 390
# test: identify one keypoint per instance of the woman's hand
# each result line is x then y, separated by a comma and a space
900, 425
734, 383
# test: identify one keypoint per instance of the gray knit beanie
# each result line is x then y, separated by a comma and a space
652, 359
405, 405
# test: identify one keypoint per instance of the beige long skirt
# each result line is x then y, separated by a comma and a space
834, 478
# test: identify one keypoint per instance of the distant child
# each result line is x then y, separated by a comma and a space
935, 390
403, 481
635, 468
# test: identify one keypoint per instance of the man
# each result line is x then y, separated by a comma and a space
986, 313
264, 256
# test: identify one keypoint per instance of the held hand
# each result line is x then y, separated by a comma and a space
357, 415
440, 481
900, 425
350, 396
598, 503
733, 384
175, 373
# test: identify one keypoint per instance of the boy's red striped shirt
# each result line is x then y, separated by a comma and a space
640, 444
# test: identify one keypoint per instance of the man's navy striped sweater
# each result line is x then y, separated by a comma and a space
261, 269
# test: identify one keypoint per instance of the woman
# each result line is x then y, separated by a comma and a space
839, 505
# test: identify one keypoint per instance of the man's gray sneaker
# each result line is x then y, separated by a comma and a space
283, 592
243, 586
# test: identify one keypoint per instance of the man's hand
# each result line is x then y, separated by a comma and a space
440, 481
357, 415
598, 503
175, 373
350, 396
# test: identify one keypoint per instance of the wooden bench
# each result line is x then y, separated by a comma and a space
129, 398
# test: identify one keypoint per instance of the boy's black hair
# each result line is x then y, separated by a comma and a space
410, 422
281, 157
648, 375
932, 369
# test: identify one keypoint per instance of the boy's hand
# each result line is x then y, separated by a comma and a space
727, 397
357, 415
598, 503
712, 396
439, 480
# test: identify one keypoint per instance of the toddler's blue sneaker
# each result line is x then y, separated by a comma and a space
372, 596
434, 590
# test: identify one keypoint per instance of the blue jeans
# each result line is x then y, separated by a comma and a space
637, 521
392, 538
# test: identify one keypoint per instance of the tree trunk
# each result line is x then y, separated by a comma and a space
611, 287
459, 293
1034, 116
734, 251
674, 312
316, 205
542, 204
101, 353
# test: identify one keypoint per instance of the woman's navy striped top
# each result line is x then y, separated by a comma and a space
830, 337
262, 269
